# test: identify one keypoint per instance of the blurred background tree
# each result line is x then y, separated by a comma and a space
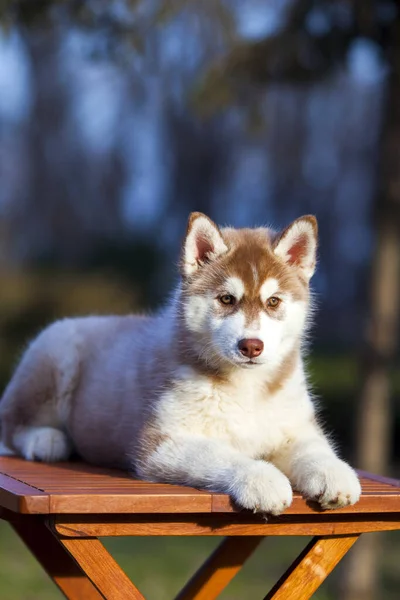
119, 117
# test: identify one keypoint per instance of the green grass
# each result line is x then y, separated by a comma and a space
21, 578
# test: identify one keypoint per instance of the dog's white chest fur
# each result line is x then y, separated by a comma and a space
239, 412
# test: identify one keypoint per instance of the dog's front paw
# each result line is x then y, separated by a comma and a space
262, 488
332, 483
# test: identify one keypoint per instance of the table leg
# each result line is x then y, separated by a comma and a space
222, 566
57, 563
100, 567
311, 568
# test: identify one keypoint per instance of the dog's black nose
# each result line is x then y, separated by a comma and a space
251, 348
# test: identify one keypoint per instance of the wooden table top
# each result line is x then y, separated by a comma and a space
78, 488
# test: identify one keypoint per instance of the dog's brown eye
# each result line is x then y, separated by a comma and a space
273, 302
227, 299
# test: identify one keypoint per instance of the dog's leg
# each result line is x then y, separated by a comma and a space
34, 405
211, 464
315, 470
47, 444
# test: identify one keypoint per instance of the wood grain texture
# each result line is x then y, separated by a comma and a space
148, 502
21, 497
311, 568
221, 525
101, 569
374, 498
222, 566
57, 563
379, 478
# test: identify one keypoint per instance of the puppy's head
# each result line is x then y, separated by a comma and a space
245, 292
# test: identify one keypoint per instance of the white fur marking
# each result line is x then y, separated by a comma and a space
235, 287
196, 311
227, 332
268, 288
42, 443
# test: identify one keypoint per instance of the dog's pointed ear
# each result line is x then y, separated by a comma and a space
203, 243
297, 245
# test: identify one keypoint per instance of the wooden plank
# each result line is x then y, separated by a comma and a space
127, 503
311, 568
20, 497
101, 569
222, 566
57, 563
93, 501
379, 478
221, 525
370, 502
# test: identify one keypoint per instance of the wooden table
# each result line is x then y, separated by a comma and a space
61, 510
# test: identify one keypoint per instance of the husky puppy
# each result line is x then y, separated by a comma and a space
211, 392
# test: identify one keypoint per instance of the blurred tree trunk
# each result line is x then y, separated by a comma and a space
374, 419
